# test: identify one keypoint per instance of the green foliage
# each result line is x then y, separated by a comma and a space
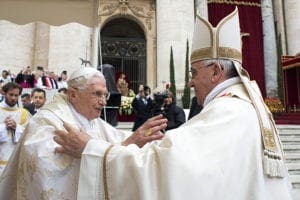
279, 69
172, 74
186, 98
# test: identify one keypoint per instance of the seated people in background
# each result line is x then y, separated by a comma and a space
122, 85
195, 108
173, 113
25, 78
62, 80
142, 105
37, 172
38, 99
12, 121
53, 78
46, 80
25, 99
5, 78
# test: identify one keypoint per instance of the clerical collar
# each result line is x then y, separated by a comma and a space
4, 105
82, 121
220, 87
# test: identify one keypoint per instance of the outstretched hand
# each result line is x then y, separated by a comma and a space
149, 131
72, 141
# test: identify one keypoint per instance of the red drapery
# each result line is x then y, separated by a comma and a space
251, 23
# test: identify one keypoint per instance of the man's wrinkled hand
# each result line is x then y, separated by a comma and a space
72, 141
149, 131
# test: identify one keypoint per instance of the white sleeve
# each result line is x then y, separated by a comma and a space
18, 132
96, 147
3, 132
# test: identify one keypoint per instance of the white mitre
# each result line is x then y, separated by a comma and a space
222, 41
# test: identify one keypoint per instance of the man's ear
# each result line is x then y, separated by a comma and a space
217, 72
72, 94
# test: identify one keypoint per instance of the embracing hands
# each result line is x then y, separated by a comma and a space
73, 141
149, 131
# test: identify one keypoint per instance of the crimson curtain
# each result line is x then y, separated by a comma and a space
251, 23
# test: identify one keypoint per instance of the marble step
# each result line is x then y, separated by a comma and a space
295, 180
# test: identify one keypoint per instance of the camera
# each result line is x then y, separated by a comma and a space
158, 104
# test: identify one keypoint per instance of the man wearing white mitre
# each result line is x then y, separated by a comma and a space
35, 171
229, 151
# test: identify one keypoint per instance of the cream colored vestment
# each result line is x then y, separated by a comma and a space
216, 155
35, 171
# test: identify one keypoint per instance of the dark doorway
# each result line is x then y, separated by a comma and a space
124, 46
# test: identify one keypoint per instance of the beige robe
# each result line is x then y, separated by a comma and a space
35, 171
216, 155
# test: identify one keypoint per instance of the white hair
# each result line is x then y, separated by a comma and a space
227, 66
80, 77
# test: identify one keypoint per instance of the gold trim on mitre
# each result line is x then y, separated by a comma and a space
222, 41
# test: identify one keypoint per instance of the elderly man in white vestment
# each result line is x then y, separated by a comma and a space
35, 171
230, 151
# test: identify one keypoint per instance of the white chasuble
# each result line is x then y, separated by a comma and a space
207, 158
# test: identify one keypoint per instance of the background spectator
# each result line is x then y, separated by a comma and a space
25, 99
38, 99
174, 113
142, 105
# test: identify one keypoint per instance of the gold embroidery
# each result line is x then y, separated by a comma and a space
52, 194
104, 172
238, 3
223, 52
269, 140
3, 162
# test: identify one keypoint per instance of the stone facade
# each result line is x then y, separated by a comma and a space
55, 34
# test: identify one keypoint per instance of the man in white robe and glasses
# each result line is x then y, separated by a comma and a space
35, 171
229, 151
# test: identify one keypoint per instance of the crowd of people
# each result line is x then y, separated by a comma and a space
15, 114
39, 78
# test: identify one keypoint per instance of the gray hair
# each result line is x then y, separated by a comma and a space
227, 66
80, 78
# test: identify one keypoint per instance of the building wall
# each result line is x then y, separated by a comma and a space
175, 25
16, 45
52, 34
54, 12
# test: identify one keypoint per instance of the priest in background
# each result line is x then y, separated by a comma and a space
12, 121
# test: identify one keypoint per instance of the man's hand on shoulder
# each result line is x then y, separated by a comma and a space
72, 142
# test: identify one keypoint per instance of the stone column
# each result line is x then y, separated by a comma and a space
175, 24
41, 48
292, 16
270, 50
278, 9
201, 8
95, 46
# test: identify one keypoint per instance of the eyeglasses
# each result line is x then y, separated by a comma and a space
193, 72
101, 96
